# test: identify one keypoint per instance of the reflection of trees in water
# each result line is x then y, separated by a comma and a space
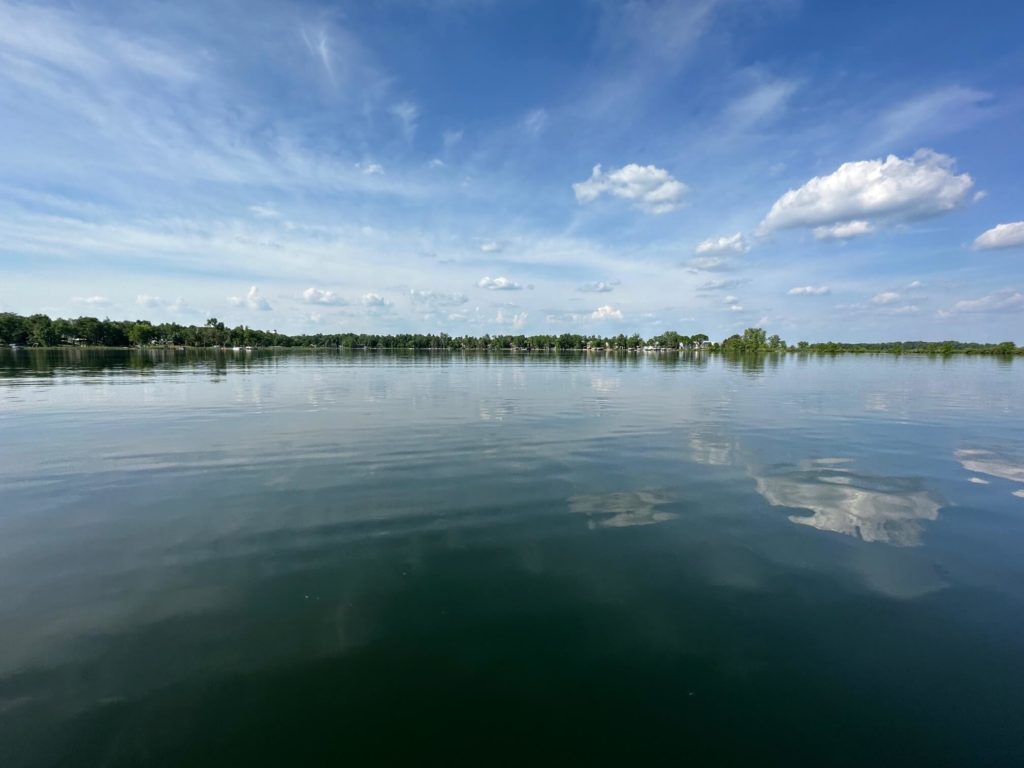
868, 507
752, 362
621, 509
89, 361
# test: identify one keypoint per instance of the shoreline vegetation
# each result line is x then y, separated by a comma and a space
42, 332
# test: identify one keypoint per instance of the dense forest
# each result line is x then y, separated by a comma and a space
42, 331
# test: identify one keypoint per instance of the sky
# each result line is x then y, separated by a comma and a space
824, 170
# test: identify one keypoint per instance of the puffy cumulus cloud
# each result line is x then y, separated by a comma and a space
809, 290
1008, 300
885, 297
905, 188
320, 296
498, 284
1001, 236
606, 313
915, 285
434, 300
144, 300
599, 287
374, 301
844, 230
652, 189
735, 307
252, 300
726, 244
515, 319
491, 246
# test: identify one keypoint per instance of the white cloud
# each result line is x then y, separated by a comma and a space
725, 244
708, 264
319, 296
535, 122
886, 297
766, 101
498, 284
729, 300
915, 285
371, 169
718, 285
149, 301
652, 189
941, 111
599, 287
809, 290
434, 299
407, 114
319, 45
736, 308
93, 301
265, 211
1008, 300
606, 313
1001, 236
516, 320
155, 302
844, 230
911, 188
451, 138
253, 300
491, 246
375, 300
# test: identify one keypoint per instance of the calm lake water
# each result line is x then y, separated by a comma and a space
270, 558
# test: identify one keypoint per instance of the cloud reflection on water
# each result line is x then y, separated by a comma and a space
871, 508
621, 509
992, 464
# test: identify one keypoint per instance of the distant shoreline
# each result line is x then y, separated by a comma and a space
39, 331
983, 351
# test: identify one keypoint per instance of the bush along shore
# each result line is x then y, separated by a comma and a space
41, 331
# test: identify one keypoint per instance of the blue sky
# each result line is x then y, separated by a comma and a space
849, 171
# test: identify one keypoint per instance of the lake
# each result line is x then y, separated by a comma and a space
213, 558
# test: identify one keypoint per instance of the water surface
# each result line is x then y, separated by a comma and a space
275, 558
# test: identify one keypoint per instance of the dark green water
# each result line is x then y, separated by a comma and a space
243, 559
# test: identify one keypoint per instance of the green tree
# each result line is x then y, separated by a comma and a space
754, 340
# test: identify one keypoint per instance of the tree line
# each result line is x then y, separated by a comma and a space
39, 330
